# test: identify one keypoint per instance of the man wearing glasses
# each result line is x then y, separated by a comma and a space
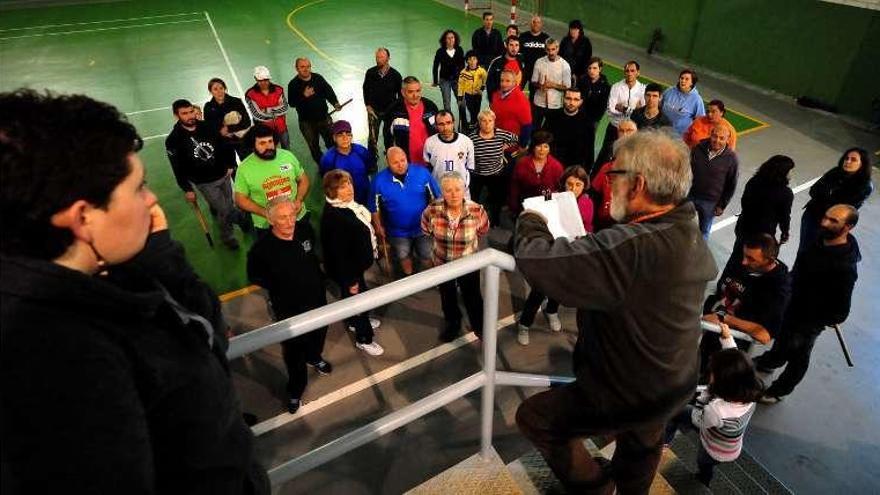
638, 287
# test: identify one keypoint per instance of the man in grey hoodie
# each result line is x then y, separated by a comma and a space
638, 289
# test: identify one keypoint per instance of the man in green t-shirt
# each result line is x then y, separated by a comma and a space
269, 173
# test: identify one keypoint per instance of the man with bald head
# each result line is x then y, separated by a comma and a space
655, 248
532, 45
309, 93
822, 282
715, 167
382, 85
398, 196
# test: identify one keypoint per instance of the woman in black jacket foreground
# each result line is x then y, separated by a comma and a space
113, 375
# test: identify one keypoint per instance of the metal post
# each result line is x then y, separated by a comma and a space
491, 275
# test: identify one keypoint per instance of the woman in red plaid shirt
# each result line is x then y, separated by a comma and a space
456, 225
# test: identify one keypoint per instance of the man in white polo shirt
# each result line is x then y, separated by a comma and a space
449, 151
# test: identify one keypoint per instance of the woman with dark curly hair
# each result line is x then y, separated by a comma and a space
448, 62
847, 183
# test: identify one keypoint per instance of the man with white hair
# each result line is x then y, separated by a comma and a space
638, 287
288, 269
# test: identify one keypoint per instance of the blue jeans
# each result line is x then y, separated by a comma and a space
705, 214
448, 88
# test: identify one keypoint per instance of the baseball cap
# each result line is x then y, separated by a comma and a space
261, 73
341, 126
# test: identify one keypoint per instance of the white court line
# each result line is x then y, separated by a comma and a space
732, 219
155, 136
114, 28
44, 26
226, 58
136, 112
369, 381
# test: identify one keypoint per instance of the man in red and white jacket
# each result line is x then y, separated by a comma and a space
268, 105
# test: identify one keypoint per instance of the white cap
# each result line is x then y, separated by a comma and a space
261, 72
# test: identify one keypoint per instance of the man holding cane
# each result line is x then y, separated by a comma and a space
192, 149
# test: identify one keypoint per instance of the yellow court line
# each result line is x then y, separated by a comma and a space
238, 293
312, 45
763, 125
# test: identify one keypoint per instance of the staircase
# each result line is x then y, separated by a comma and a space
530, 475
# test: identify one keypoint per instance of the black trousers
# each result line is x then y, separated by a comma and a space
496, 187
297, 352
361, 322
310, 130
793, 346
472, 105
558, 420
473, 302
533, 302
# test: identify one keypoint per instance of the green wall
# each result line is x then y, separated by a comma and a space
797, 47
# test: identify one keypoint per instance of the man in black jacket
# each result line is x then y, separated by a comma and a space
572, 131
410, 121
511, 60
382, 84
715, 169
638, 287
823, 279
486, 41
288, 269
193, 147
309, 93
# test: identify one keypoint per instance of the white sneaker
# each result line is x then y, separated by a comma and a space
522, 334
554, 321
374, 323
373, 349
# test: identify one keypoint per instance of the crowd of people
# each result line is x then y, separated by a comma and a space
134, 342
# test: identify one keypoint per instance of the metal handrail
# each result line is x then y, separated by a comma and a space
304, 323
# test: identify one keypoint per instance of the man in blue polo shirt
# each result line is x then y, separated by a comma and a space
398, 196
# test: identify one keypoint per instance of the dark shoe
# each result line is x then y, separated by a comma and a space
231, 243
322, 367
293, 405
249, 419
450, 333
770, 399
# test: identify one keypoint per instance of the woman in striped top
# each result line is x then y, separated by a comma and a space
490, 145
722, 411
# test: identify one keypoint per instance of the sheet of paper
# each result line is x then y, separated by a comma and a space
561, 212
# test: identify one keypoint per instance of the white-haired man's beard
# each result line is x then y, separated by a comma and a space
619, 201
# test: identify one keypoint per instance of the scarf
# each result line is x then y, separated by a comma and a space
361, 213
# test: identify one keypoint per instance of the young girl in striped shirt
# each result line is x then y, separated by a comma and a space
722, 411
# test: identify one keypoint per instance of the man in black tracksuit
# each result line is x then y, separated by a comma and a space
382, 85
822, 283
192, 148
309, 93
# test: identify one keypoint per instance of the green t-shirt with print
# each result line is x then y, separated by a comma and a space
261, 180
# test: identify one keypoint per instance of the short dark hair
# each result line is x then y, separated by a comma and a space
596, 60
733, 377
487, 14
511, 38
442, 40
693, 74
575, 89
654, 87
444, 112
540, 137
765, 242
333, 180
864, 173
512, 26
775, 170
469, 54
262, 130
719, 104
56, 150
179, 104
633, 62
579, 173
216, 80
410, 80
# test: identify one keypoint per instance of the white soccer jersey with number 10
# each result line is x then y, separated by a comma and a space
454, 156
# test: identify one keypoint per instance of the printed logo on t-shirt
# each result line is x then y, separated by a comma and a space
275, 186
285, 167
307, 245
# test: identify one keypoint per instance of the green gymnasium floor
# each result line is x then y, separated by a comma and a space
140, 56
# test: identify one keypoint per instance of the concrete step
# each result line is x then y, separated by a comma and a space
472, 476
